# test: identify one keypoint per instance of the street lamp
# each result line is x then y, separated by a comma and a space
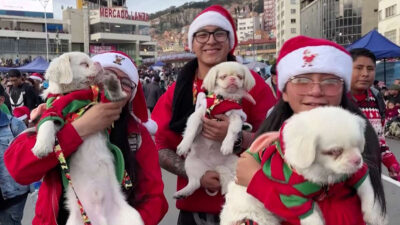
44, 4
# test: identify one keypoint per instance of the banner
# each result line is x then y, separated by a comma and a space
97, 49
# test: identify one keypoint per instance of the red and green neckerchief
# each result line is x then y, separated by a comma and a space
70, 107
216, 104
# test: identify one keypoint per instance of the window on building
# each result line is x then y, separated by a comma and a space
293, 11
391, 35
293, 30
293, 1
292, 21
390, 11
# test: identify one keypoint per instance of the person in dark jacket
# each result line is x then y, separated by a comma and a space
21, 93
153, 93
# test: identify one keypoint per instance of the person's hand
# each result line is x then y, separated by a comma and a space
246, 168
215, 129
210, 181
98, 117
394, 172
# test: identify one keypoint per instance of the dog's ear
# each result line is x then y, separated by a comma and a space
300, 145
210, 80
59, 70
249, 80
362, 125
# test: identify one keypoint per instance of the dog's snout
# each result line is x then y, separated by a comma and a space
356, 160
231, 78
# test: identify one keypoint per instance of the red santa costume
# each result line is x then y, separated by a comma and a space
147, 195
178, 102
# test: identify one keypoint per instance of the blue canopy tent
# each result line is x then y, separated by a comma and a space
39, 64
382, 47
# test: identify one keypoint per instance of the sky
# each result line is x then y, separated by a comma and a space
147, 6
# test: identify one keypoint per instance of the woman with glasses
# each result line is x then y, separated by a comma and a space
313, 73
212, 37
142, 184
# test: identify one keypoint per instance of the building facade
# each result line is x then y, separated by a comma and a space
257, 49
269, 15
389, 20
23, 33
247, 27
287, 21
311, 18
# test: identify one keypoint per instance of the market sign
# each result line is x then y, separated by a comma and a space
97, 49
122, 13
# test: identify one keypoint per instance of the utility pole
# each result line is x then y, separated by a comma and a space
44, 4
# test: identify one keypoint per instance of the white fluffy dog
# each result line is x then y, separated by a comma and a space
229, 81
323, 145
92, 168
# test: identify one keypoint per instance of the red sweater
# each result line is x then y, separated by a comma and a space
26, 168
199, 201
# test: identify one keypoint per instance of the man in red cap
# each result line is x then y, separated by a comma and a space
212, 37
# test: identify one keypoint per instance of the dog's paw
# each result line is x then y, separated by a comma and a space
227, 147
113, 88
179, 195
183, 149
42, 148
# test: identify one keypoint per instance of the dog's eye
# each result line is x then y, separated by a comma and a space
85, 64
334, 152
222, 77
240, 76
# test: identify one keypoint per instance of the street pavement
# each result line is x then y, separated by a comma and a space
392, 192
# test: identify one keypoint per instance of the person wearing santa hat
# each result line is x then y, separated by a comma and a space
130, 132
212, 37
22, 113
307, 79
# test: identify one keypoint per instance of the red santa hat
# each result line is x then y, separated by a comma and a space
301, 55
36, 76
123, 62
214, 15
21, 112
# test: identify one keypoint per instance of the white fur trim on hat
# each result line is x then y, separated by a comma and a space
119, 61
315, 59
211, 18
151, 126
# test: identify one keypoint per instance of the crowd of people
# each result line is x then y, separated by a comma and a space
295, 85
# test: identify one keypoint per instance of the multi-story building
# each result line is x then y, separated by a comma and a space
287, 21
269, 15
96, 28
23, 32
342, 21
257, 49
389, 17
246, 27
311, 18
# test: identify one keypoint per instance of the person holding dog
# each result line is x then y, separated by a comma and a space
307, 79
212, 37
371, 103
128, 119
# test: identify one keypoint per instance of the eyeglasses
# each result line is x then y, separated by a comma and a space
329, 86
203, 36
127, 84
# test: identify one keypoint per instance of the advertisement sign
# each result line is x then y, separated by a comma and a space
26, 5
97, 49
122, 13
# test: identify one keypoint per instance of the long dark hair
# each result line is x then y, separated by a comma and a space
371, 154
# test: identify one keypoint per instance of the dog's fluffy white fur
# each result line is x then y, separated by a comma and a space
91, 166
331, 140
230, 80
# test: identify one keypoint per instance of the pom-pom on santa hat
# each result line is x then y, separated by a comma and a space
36, 76
214, 15
21, 112
121, 61
301, 55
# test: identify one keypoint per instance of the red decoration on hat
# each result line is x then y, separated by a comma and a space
21, 112
214, 15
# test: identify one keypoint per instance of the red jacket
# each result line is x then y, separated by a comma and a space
165, 138
26, 168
